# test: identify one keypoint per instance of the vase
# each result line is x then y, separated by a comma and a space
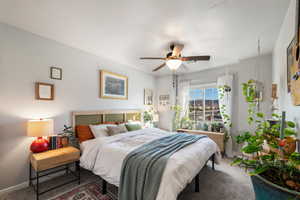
265, 190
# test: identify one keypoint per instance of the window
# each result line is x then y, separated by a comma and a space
204, 105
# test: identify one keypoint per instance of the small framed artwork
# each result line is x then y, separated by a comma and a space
113, 86
164, 100
290, 60
44, 91
148, 97
56, 73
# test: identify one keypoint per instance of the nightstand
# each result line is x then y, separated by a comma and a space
51, 162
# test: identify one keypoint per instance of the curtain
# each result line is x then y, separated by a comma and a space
184, 97
225, 86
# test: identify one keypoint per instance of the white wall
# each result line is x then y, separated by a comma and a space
279, 75
257, 67
164, 86
26, 58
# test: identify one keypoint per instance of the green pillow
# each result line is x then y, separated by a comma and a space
133, 127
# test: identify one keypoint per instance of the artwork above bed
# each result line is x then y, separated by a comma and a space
113, 86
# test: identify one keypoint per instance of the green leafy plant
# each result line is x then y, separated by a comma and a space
181, 122
148, 116
68, 132
223, 91
279, 163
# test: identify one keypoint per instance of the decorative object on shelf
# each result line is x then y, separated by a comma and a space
39, 128
290, 62
56, 73
274, 172
148, 97
113, 86
164, 100
295, 69
44, 91
58, 141
70, 134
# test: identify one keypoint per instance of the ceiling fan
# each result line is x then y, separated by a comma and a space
174, 59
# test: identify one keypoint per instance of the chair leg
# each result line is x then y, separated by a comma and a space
37, 186
213, 162
104, 186
197, 183
30, 175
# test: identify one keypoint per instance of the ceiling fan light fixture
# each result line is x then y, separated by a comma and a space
174, 64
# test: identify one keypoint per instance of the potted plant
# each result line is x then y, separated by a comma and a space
70, 134
148, 117
270, 157
181, 122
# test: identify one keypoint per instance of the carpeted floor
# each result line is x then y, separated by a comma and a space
226, 183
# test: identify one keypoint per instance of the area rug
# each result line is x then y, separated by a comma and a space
89, 191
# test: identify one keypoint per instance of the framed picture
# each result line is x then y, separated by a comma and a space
148, 97
164, 100
56, 73
113, 86
44, 91
290, 63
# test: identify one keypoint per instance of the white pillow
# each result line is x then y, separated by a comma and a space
100, 130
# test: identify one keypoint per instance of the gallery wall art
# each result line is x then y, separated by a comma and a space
44, 91
148, 97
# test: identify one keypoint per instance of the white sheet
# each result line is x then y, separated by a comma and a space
104, 157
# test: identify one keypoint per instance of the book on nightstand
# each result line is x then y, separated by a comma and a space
56, 142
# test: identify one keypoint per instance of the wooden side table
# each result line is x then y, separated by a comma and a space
218, 138
58, 159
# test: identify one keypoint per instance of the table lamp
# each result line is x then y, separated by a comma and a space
39, 128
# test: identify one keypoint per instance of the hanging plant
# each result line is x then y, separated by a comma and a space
252, 97
224, 91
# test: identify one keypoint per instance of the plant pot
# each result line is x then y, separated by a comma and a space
265, 190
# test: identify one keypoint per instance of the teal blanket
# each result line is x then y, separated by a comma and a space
143, 168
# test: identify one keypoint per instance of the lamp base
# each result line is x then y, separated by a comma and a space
39, 145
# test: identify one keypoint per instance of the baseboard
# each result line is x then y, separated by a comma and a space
14, 188
26, 183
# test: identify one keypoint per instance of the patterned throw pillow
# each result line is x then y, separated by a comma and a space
100, 130
114, 130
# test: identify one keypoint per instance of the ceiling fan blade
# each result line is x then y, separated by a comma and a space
177, 50
195, 58
152, 58
158, 68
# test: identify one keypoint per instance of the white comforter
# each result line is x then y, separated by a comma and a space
104, 157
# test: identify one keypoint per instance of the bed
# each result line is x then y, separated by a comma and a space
104, 156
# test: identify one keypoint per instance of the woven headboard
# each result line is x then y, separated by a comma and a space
98, 117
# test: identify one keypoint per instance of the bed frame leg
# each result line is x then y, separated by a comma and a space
104, 186
197, 183
213, 161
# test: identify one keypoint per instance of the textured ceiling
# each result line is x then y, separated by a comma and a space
124, 30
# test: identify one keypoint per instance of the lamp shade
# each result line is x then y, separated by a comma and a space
40, 128
174, 64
